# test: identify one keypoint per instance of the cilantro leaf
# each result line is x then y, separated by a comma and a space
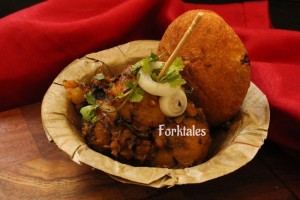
176, 81
136, 95
173, 76
89, 113
178, 64
145, 66
120, 96
99, 76
129, 84
90, 99
94, 119
154, 77
136, 67
153, 57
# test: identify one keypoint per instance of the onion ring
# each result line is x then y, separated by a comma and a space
173, 105
172, 101
156, 64
155, 88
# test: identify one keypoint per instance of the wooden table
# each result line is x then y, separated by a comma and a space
32, 168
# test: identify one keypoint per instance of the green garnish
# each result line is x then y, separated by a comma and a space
145, 64
89, 113
90, 99
129, 84
154, 57
173, 76
120, 96
99, 76
134, 95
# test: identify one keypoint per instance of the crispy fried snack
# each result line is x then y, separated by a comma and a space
216, 64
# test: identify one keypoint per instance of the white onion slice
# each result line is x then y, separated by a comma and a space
155, 88
173, 105
172, 101
156, 65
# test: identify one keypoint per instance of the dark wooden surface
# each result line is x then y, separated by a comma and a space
32, 168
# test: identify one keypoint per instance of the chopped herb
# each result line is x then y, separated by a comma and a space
129, 84
154, 57
173, 76
99, 76
145, 65
136, 95
120, 96
90, 99
154, 77
89, 113
136, 67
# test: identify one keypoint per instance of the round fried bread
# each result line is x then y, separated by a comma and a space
216, 63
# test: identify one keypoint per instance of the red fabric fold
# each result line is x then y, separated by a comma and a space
38, 42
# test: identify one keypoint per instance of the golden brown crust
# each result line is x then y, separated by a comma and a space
216, 63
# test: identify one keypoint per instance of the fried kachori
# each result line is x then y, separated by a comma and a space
216, 63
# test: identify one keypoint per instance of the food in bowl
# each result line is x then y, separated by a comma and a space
141, 120
124, 121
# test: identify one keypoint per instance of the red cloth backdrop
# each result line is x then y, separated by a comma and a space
38, 42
